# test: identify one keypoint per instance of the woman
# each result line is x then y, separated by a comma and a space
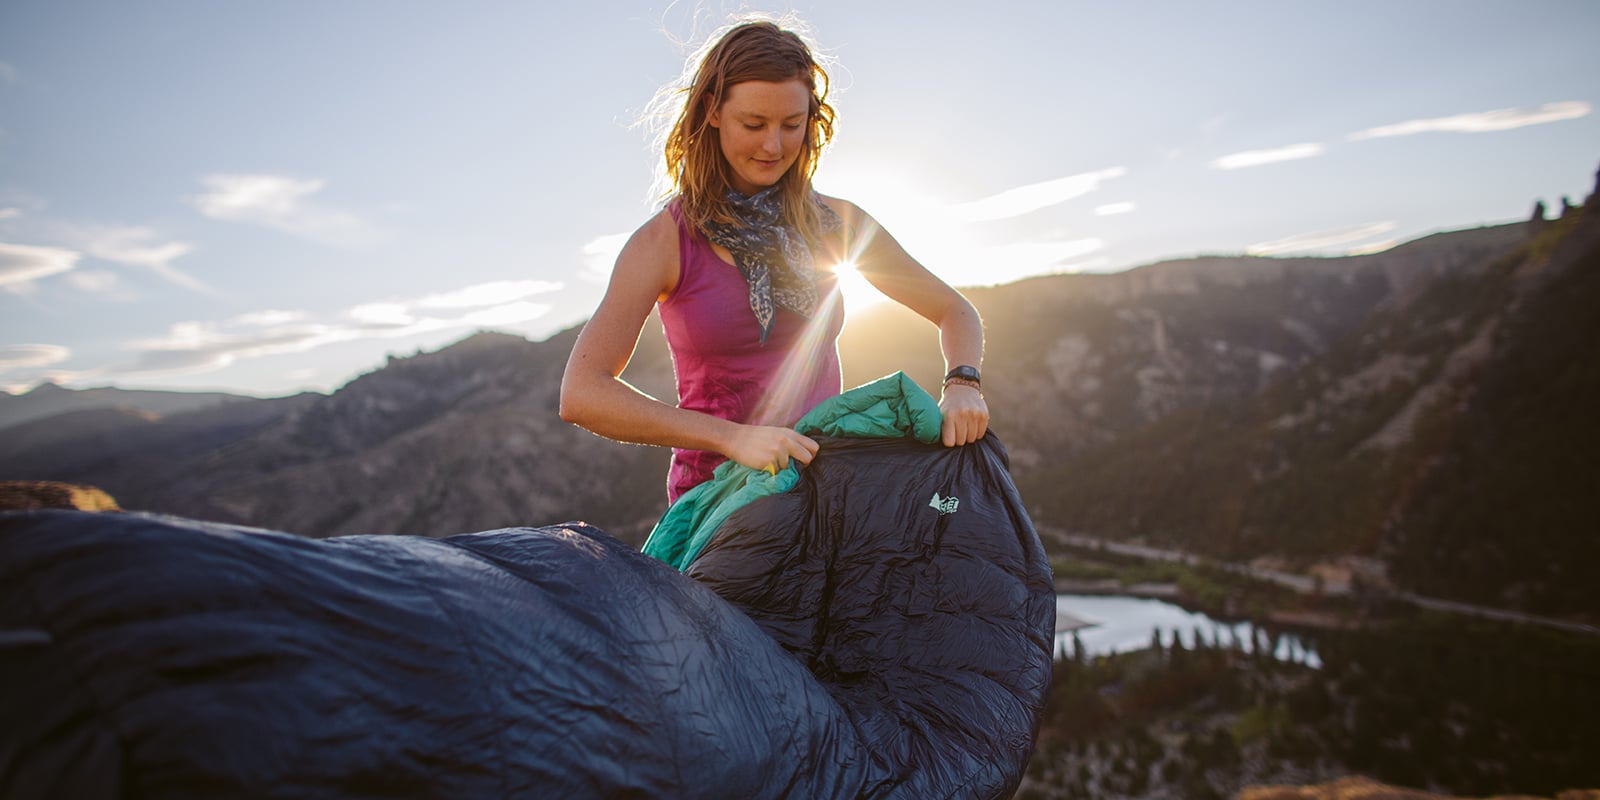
741, 264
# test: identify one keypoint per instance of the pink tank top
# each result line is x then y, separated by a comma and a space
721, 366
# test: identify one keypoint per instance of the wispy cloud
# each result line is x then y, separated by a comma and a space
1317, 240
22, 264
20, 356
24, 365
206, 345
282, 203
1034, 196
10, 212
997, 264
599, 255
486, 294
1503, 119
1256, 158
134, 246
1111, 209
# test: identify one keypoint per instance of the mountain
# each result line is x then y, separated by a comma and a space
1449, 433
466, 438
48, 399
1426, 405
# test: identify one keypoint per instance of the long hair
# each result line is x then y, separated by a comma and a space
757, 50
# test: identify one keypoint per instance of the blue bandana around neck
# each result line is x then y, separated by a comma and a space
773, 257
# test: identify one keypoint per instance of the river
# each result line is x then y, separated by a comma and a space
1117, 624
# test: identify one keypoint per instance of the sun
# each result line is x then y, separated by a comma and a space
858, 292
913, 213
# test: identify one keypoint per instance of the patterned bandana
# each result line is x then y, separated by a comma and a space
773, 257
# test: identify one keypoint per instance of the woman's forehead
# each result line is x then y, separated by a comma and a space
768, 99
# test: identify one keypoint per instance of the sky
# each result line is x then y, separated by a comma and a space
266, 198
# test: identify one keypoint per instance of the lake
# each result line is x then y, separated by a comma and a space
1117, 624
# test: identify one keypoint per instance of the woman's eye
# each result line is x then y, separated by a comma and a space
749, 127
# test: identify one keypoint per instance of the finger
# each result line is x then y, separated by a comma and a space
973, 428
802, 449
947, 431
798, 452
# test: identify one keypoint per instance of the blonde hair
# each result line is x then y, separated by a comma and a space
695, 169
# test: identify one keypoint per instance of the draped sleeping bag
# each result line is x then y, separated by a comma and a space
881, 628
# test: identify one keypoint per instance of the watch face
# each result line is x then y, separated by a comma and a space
970, 373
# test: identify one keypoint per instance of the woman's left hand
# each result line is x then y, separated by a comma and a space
966, 415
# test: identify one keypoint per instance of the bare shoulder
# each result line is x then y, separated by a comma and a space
650, 256
658, 234
851, 213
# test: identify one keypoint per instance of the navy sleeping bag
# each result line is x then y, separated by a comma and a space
883, 629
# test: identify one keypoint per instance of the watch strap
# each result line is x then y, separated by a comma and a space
964, 372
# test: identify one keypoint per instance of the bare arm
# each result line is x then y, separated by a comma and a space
594, 396
889, 268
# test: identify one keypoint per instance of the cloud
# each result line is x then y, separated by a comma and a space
269, 317
382, 315
507, 314
10, 212
997, 264
135, 246
8, 74
1317, 240
600, 255
1255, 158
206, 345
26, 356
22, 366
487, 294
1034, 196
1110, 209
281, 203
22, 264
1503, 119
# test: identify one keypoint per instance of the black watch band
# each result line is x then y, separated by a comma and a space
964, 372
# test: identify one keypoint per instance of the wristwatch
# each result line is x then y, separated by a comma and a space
965, 374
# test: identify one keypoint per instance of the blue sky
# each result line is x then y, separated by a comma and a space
266, 197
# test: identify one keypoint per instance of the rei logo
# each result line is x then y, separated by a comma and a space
944, 505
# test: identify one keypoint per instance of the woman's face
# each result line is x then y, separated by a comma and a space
762, 126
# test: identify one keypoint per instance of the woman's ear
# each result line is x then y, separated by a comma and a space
713, 114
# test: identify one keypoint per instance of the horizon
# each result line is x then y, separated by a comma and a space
262, 201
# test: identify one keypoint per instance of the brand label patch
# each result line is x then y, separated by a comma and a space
944, 505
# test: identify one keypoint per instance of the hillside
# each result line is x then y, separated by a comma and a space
458, 440
1447, 433
48, 399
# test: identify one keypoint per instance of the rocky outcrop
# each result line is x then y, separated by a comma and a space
36, 495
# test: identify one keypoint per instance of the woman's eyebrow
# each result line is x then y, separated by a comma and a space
754, 115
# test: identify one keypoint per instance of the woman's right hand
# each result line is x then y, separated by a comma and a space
769, 448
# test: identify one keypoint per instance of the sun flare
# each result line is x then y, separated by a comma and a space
858, 292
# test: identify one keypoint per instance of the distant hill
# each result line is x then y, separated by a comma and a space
466, 438
1410, 405
48, 399
1450, 432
